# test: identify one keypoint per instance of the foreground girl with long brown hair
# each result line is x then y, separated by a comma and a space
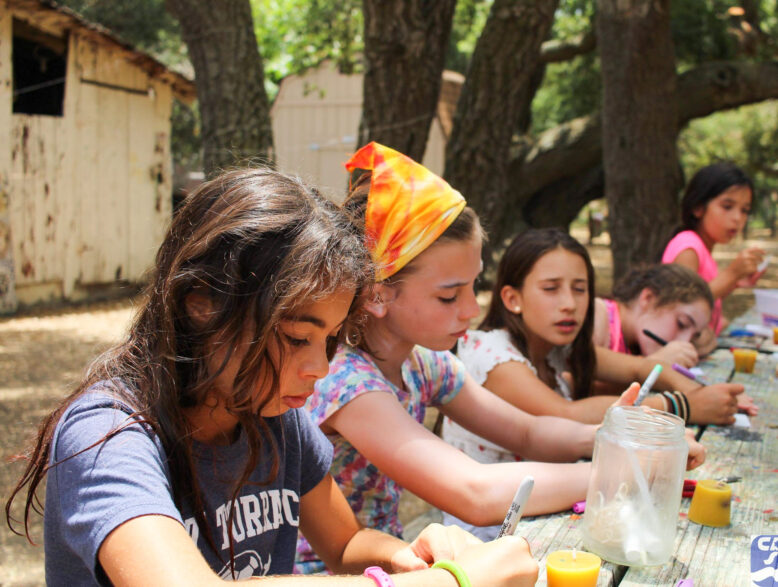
182, 457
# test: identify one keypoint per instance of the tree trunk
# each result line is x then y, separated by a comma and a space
639, 127
493, 104
229, 76
405, 46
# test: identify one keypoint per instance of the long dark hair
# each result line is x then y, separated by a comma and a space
518, 260
259, 245
707, 183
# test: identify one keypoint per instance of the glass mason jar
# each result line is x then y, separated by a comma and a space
635, 487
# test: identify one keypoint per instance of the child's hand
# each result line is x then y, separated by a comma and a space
676, 351
629, 396
714, 404
745, 404
434, 543
750, 280
746, 263
504, 562
696, 452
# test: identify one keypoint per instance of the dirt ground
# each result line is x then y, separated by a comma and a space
43, 353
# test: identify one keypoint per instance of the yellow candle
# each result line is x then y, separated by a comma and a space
745, 359
775, 334
571, 568
710, 503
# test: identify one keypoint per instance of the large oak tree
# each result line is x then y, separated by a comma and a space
229, 76
514, 177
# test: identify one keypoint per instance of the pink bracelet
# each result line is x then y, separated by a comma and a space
381, 578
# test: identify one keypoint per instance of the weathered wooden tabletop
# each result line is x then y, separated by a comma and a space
709, 556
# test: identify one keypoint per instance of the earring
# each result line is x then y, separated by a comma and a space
516, 310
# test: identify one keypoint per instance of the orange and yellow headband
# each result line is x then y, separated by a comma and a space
408, 206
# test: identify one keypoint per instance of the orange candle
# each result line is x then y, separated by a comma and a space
711, 503
745, 359
571, 568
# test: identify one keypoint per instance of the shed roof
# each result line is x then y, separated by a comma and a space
53, 15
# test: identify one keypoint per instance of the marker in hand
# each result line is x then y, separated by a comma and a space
514, 512
654, 337
648, 384
687, 373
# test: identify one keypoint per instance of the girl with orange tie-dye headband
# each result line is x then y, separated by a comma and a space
427, 245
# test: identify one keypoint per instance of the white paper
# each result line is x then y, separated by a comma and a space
742, 421
760, 330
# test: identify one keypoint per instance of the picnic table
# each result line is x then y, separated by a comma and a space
709, 556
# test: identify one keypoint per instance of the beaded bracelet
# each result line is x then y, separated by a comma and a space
672, 402
456, 570
682, 412
678, 404
665, 400
380, 576
687, 410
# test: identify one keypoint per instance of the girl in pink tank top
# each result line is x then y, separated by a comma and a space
670, 301
715, 209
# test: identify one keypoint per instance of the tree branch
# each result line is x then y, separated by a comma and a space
575, 146
722, 85
556, 50
569, 154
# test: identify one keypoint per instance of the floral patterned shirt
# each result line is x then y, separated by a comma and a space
431, 378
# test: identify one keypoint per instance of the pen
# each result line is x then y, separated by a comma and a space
647, 384
514, 512
686, 372
654, 337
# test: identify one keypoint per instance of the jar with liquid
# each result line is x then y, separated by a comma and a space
635, 487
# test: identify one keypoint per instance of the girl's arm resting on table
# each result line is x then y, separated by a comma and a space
712, 404
324, 512
540, 438
414, 457
345, 546
157, 550
518, 385
154, 550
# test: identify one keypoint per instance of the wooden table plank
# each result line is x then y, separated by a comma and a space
547, 534
721, 556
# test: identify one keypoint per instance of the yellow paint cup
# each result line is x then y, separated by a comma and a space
745, 359
572, 568
711, 503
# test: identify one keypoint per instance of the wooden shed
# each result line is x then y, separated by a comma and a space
316, 119
85, 174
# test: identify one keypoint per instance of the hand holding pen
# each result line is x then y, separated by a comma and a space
674, 351
648, 384
517, 506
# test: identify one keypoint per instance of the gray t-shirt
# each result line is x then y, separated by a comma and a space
127, 476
